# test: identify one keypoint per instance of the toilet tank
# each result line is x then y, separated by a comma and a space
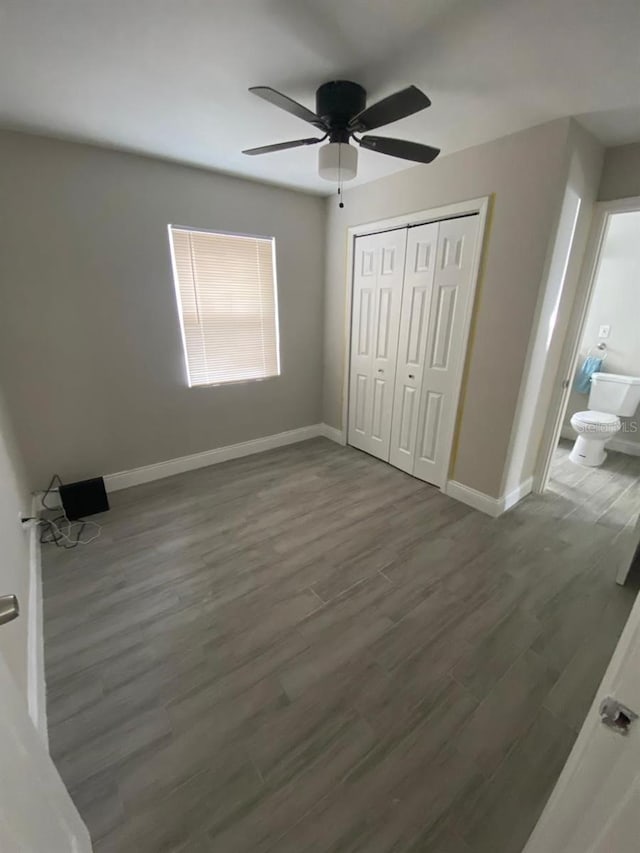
614, 393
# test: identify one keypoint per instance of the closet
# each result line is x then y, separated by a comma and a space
413, 291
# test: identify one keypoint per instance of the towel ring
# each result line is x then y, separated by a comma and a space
602, 349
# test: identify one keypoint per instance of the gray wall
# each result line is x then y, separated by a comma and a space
526, 173
539, 391
14, 550
621, 172
90, 352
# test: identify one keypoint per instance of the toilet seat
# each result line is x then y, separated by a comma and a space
595, 421
594, 431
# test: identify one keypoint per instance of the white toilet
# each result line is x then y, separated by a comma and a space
612, 396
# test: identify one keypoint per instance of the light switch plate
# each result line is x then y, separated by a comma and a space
604, 331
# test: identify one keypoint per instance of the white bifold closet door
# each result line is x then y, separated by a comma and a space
452, 292
402, 407
417, 296
377, 295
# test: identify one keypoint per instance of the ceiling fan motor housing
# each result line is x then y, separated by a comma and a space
341, 112
336, 103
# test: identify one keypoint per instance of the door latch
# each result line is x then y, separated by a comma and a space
616, 716
9, 608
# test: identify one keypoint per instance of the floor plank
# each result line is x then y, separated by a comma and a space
310, 650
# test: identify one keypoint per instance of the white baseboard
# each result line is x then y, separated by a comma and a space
620, 445
160, 470
36, 684
333, 434
472, 497
515, 495
486, 503
624, 446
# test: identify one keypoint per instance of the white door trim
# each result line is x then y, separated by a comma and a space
603, 210
473, 206
36, 681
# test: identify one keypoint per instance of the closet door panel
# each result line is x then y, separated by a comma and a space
392, 247
362, 342
377, 296
450, 306
412, 346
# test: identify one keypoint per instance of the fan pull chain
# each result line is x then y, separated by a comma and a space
340, 202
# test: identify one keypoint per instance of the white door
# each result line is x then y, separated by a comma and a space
595, 806
377, 293
414, 321
37, 814
448, 332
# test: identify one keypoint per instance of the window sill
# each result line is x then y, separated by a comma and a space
233, 382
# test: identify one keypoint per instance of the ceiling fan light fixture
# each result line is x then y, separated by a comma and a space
337, 161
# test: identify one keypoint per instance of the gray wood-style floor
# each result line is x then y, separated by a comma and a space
309, 650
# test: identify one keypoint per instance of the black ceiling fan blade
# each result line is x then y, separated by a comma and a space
286, 103
400, 148
282, 146
404, 103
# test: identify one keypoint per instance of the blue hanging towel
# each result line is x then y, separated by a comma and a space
591, 365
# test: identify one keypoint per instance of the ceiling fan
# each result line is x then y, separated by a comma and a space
341, 113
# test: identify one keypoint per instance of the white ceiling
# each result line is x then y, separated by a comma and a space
170, 77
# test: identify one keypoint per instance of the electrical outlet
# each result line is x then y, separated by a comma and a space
604, 331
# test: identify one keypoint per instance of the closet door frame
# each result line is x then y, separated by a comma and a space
478, 206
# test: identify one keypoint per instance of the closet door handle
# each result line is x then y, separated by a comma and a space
380, 370
412, 376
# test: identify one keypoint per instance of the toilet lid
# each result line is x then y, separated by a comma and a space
596, 418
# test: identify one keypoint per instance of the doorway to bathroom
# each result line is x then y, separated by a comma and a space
592, 467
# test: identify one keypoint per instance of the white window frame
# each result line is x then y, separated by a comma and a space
176, 284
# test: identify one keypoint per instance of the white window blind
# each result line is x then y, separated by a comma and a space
226, 292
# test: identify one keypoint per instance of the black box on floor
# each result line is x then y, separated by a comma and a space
87, 497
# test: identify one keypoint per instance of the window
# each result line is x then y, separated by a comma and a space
226, 292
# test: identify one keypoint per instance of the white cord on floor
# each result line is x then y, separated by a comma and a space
64, 531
